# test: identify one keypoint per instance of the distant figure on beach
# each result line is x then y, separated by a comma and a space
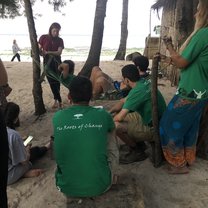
85, 146
15, 49
5, 89
20, 157
51, 46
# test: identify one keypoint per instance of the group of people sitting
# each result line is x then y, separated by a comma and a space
86, 137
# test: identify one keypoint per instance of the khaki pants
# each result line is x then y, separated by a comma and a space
134, 127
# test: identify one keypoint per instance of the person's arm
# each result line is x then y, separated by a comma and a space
121, 115
176, 58
55, 53
117, 107
27, 149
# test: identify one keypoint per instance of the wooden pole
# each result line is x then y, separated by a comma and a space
156, 149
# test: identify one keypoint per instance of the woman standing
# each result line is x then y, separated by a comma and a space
179, 125
15, 49
51, 46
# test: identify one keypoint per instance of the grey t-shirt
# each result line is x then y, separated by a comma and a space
17, 151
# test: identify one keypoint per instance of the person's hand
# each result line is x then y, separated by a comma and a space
44, 52
167, 41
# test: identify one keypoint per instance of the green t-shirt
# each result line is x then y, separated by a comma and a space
80, 146
193, 82
139, 100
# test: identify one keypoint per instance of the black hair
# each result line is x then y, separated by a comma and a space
142, 62
80, 90
54, 25
130, 71
71, 65
11, 112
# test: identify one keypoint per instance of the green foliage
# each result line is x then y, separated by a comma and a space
57, 4
9, 8
13, 8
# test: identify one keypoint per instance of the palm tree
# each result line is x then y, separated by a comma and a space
124, 32
97, 38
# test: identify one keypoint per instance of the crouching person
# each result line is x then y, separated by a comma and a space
133, 114
85, 147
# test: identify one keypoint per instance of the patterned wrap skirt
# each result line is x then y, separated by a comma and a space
179, 128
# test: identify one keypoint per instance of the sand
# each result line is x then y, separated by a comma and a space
140, 185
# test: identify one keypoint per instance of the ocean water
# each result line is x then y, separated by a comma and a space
76, 46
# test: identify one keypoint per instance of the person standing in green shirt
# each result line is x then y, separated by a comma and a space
85, 154
179, 125
134, 114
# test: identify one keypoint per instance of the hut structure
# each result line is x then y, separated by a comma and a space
177, 22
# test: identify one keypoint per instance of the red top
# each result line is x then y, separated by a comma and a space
49, 43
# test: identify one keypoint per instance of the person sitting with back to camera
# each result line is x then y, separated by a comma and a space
133, 114
20, 157
85, 146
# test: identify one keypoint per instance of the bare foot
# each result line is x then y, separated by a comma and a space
178, 170
33, 173
60, 105
55, 105
48, 145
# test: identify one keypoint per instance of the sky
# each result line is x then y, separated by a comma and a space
77, 18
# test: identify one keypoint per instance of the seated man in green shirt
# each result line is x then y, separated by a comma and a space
133, 116
85, 153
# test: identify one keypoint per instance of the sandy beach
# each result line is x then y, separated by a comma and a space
140, 185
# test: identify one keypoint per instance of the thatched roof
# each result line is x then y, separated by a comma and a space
163, 3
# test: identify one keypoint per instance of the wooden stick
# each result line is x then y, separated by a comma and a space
157, 151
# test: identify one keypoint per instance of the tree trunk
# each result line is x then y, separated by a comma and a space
97, 39
37, 89
124, 32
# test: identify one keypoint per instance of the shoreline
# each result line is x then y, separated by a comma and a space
75, 54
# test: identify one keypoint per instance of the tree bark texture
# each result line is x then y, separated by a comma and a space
97, 39
37, 89
120, 55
